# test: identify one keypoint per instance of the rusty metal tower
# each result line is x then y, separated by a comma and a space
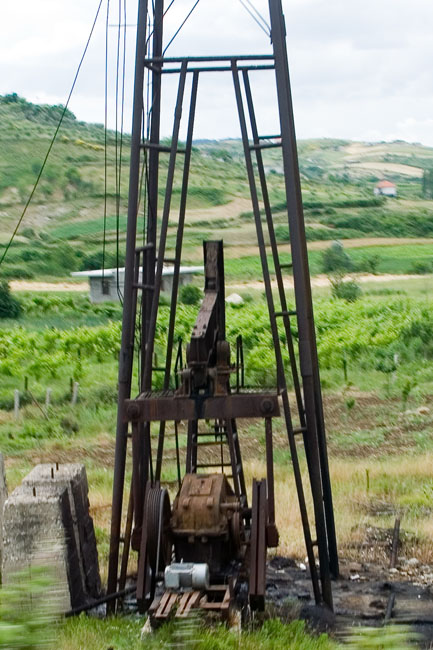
156, 530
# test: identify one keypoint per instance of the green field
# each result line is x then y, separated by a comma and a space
376, 365
63, 229
375, 353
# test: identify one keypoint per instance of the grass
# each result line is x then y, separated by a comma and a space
371, 427
338, 196
124, 633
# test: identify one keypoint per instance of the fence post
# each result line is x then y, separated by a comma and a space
74, 393
48, 398
16, 403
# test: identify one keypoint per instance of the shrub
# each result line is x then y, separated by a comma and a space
369, 263
349, 290
27, 610
17, 273
421, 268
190, 295
335, 259
10, 307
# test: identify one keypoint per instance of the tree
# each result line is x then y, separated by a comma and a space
190, 295
10, 307
427, 184
336, 260
345, 290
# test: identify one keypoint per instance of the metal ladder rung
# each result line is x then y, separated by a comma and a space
287, 265
210, 433
146, 247
158, 368
265, 145
209, 443
270, 137
144, 287
289, 312
206, 465
169, 260
299, 430
160, 147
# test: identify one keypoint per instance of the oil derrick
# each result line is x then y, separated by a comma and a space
210, 539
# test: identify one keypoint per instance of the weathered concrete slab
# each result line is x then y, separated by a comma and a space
73, 477
38, 531
47, 521
3, 497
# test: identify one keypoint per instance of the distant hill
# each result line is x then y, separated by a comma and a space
63, 228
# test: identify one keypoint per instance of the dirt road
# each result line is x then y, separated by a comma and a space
27, 285
323, 280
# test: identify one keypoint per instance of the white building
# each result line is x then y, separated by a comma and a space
104, 284
385, 188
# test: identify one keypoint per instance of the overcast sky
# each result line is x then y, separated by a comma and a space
360, 69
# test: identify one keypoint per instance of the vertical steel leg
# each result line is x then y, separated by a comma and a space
152, 179
319, 479
126, 350
276, 342
150, 341
271, 529
191, 447
178, 254
274, 248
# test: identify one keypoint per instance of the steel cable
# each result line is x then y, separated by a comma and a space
119, 161
256, 20
180, 27
105, 138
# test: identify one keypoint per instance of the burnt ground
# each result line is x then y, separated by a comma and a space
361, 596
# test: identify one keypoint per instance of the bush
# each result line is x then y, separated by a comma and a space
10, 307
27, 610
190, 294
17, 273
369, 263
421, 268
349, 290
335, 259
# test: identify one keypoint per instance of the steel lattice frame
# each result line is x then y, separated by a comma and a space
151, 256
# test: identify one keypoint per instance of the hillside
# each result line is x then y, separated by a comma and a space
63, 228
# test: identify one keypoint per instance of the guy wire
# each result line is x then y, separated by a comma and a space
54, 136
105, 137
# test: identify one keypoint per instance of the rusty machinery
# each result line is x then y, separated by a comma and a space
210, 542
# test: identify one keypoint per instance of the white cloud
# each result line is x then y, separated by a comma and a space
359, 68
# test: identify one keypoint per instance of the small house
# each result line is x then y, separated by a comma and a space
107, 284
385, 188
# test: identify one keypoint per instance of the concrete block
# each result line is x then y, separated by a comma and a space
73, 478
3, 497
38, 531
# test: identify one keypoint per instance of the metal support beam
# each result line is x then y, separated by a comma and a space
128, 322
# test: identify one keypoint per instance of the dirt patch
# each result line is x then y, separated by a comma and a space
393, 168
226, 211
26, 285
361, 595
100, 451
323, 280
358, 242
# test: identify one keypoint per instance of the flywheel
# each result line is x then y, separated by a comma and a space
157, 522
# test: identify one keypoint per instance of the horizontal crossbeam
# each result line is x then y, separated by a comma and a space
227, 407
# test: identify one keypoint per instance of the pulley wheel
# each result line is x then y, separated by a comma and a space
236, 529
158, 513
